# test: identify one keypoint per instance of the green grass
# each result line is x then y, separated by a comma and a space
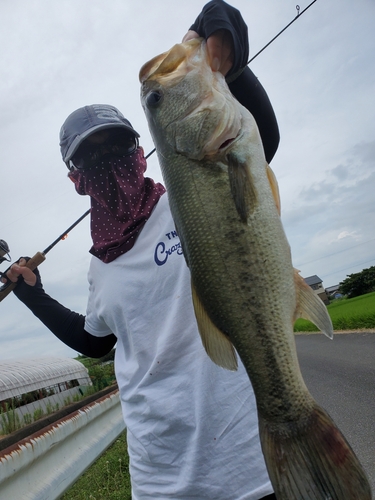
346, 314
107, 479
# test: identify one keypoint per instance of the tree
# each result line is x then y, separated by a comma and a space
108, 357
358, 283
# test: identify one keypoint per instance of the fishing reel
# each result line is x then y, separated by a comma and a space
4, 253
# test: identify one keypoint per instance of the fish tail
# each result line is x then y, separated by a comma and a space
312, 460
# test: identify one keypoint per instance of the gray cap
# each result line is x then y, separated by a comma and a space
87, 120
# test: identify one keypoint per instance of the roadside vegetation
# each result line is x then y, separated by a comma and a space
357, 313
107, 479
358, 283
101, 370
11, 421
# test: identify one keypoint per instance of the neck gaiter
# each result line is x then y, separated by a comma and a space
122, 200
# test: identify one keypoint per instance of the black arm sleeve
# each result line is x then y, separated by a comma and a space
246, 88
251, 94
66, 325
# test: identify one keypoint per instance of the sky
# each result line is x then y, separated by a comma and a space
57, 56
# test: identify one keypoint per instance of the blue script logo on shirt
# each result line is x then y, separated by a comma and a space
164, 251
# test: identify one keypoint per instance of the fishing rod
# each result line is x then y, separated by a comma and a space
34, 262
39, 257
233, 77
150, 153
299, 14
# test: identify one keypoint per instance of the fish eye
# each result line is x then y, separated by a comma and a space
154, 98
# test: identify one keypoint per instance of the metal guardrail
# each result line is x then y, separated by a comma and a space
45, 464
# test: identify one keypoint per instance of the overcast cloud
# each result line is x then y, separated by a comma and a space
58, 56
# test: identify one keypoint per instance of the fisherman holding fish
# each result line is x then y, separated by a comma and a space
192, 427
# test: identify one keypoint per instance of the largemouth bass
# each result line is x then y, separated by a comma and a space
225, 203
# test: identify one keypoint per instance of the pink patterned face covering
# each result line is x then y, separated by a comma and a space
122, 200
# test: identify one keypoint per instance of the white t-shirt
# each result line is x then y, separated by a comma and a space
192, 426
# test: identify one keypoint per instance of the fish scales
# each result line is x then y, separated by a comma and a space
211, 226
246, 294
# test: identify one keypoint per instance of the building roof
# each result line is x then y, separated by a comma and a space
313, 280
25, 375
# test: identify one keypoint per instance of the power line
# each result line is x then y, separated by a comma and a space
335, 253
345, 268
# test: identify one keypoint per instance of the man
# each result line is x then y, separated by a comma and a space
192, 427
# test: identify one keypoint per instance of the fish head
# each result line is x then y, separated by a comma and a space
189, 108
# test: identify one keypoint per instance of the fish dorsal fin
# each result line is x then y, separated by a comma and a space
274, 188
218, 346
311, 307
242, 186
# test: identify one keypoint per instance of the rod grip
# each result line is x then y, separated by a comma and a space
32, 264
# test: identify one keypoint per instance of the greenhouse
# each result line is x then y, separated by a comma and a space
40, 384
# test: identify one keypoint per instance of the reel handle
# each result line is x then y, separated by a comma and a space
32, 264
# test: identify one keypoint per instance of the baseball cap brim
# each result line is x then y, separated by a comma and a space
80, 138
86, 121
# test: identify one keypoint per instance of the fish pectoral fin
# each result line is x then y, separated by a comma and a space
242, 186
217, 345
274, 188
311, 307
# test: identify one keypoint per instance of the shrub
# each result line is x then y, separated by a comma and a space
10, 421
38, 413
67, 401
102, 375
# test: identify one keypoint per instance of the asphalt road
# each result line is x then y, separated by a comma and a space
340, 374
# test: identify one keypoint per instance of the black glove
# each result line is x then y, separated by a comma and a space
218, 15
22, 290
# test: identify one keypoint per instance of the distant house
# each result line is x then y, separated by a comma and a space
316, 284
333, 292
